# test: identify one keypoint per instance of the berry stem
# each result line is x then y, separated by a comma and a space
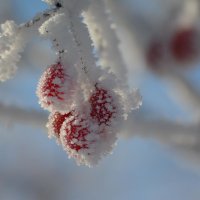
83, 43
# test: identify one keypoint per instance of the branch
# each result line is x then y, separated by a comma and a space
40, 18
171, 133
102, 32
15, 114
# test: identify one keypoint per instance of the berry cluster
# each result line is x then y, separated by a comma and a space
83, 130
86, 101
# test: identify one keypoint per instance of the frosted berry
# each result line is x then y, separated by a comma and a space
55, 123
75, 131
86, 141
54, 88
184, 45
102, 106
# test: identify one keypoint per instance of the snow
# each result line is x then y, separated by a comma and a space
11, 45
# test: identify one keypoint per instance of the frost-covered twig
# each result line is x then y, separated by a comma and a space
171, 133
183, 139
102, 32
13, 39
14, 114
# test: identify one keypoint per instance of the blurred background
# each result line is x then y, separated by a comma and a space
158, 151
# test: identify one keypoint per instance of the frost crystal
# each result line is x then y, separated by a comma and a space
11, 45
87, 94
86, 141
55, 88
102, 108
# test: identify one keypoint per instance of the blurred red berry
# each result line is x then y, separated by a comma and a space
184, 45
102, 106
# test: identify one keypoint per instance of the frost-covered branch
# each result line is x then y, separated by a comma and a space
102, 32
178, 135
14, 114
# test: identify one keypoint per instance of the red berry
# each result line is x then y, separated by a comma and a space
75, 130
155, 53
55, 123
183, 45
85, 140
53, 87
50, 86
102, 106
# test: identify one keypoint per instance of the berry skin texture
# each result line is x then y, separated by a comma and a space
76, 129
54, 88
55, 123
183, 45
102, 106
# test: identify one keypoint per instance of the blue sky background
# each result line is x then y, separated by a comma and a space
32, 166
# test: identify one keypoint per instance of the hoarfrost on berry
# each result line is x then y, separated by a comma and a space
86, 141
102, 106
55, 88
